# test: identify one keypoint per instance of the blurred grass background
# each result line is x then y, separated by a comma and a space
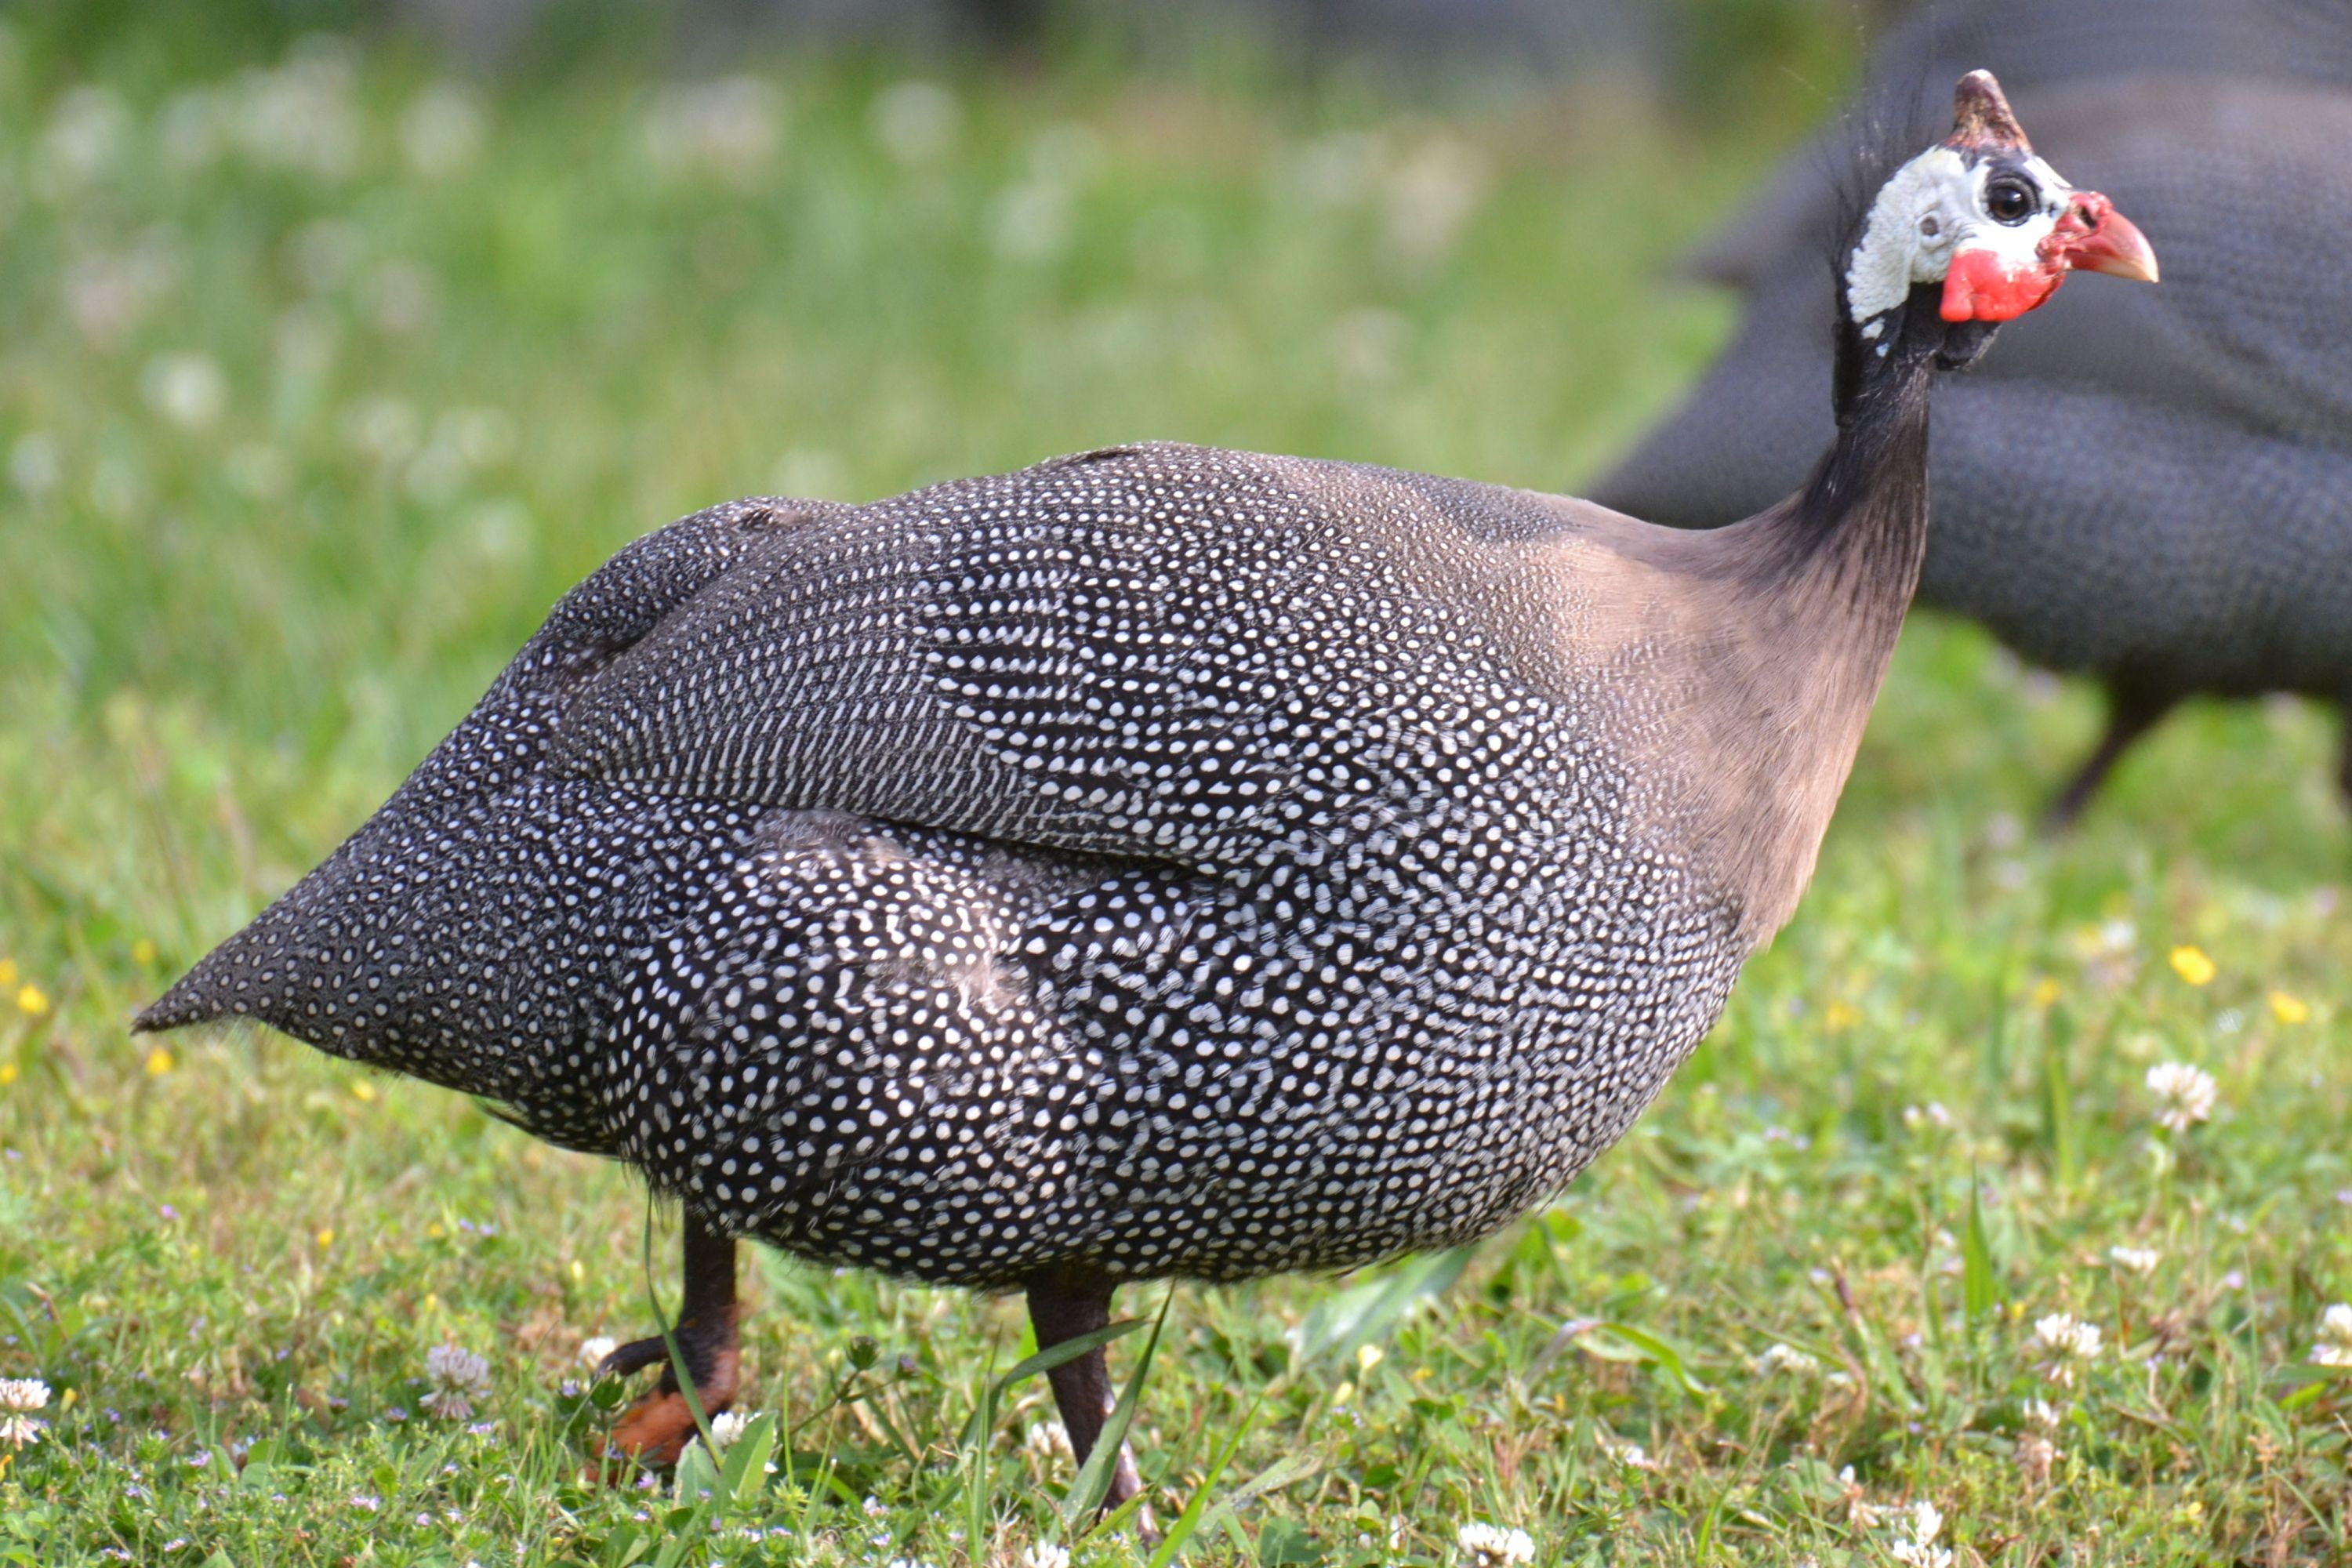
329, 358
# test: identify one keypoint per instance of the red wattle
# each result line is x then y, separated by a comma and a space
1982, 287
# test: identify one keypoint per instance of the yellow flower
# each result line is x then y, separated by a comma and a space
2288, 1009
1841, 1014
1341, 1395
363, 1090
433, 1230
32, 999
159, 1062
2191, 964
142, 952
1369, 1357
2045, 992
7, 973
327, 1237
8, 1074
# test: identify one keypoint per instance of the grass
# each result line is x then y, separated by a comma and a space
319, 380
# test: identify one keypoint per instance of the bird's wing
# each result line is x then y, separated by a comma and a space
1103, 654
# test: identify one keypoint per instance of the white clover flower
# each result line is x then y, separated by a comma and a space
1047, 1555
1492, 1546
19, 1397
1047, 1441
2065, 1341
2335, 1346
1858, 1506
188, 389
1931, 1114
441, 132
2184, 1094
1914, 1543
1784, 1358
2135, 1259
728, 1425
2040, 1415
594, 1349
459, 1378
729, 127
2034, 1456
916, 121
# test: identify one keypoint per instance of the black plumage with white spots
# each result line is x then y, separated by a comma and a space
1169, 861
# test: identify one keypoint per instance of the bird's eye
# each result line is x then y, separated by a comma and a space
2009, 200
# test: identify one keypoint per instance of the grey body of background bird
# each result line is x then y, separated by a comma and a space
2150, 486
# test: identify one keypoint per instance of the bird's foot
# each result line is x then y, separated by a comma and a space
657, 1425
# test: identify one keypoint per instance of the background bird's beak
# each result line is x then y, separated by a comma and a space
2111, 242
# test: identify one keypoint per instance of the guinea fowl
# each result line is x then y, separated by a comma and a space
1160, 862
2152, 486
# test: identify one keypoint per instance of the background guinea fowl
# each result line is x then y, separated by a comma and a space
1161, 861
2151, 486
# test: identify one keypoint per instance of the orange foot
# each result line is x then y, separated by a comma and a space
655, 1428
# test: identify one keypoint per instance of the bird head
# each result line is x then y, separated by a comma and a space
1994, 225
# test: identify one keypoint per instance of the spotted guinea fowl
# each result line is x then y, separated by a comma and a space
1160, 862
2153, 487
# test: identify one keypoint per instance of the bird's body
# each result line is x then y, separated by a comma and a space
1161, 861
1189, 862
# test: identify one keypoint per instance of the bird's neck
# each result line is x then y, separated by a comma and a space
1823, 579
1857, 532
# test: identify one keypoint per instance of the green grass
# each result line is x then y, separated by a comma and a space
300, 444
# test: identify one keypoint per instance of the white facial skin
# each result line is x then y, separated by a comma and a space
1938, 205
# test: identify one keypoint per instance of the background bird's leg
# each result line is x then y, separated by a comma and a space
2132, 711
658, 1427
2344, 752
1063, 1304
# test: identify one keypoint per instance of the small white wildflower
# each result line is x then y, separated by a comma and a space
19, 1397
1492, 1546
916, 121
459, 1378
2042, 1415
594, 1349
2135, 1259
1931, 1114
2066, 1340
34, 465
1914, 1543
1047, 1441
1784, 1358
442, 130
2184, 1094
1858, 1506
728, 1425
2335, 1346
1047, 1555
729, 127
2035, 1454
188, 389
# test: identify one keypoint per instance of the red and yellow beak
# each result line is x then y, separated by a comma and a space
2106, 242
1983, 285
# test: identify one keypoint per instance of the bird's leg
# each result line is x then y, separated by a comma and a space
2344, 755
1063, 1304
655, 1429
2131, 713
